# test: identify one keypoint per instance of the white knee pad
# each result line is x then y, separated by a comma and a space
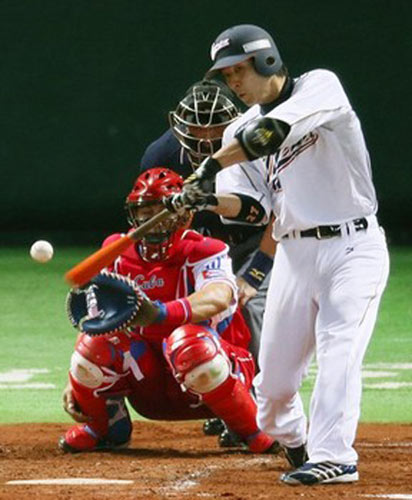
85, 372
208, 376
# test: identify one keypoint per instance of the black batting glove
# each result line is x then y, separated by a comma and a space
202, 181
190, 201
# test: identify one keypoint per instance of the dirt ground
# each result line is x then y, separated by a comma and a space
176, 461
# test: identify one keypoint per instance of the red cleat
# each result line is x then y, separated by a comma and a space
80, 438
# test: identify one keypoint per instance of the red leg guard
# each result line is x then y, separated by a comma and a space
201, 364
233, 403
92, 406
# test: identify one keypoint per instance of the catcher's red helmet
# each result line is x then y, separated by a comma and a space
145, 200
154, 184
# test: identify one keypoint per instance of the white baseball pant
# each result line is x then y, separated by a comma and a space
323, 298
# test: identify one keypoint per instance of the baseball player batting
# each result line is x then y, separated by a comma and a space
299, 151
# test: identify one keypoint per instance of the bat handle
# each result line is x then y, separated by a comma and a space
137, 234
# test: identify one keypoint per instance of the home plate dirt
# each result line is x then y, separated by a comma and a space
176, 461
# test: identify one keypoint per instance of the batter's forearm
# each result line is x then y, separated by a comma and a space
228, 206
239, 208
230, 154
267, 243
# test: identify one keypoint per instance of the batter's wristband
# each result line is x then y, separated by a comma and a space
175, 312
258, 269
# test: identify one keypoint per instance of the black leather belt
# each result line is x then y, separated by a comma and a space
323, 232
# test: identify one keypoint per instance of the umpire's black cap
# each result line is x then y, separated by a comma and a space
242, 42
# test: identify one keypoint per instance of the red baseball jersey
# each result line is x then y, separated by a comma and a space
194, 262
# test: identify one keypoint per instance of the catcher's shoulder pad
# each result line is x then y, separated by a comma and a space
205, 247
106, 304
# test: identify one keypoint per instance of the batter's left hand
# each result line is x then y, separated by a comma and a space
203, 178
245, 291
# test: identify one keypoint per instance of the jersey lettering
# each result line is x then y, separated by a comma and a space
285, 156
272, 177
153, 282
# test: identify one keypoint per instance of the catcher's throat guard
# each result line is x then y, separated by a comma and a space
109, 303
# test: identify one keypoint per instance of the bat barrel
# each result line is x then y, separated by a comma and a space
83, 272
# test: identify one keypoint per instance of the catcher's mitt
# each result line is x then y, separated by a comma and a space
109, 303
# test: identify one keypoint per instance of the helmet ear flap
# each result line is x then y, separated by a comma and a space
265, 63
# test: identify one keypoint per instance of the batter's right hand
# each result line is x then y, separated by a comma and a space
70, 405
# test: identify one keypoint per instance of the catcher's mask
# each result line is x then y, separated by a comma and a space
200, 118
145, 201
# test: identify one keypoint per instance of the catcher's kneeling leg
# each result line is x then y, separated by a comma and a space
90, 377
201, 366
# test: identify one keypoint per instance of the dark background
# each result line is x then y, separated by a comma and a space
86, 85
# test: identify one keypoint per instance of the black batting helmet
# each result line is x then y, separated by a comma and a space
242, 42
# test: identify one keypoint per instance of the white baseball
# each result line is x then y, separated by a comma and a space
41, 251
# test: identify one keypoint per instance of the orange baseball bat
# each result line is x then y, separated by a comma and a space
83, 272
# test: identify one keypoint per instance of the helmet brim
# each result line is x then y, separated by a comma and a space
227, 61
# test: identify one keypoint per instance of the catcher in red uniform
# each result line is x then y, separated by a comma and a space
186, 359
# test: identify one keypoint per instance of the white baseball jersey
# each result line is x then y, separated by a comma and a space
321, 174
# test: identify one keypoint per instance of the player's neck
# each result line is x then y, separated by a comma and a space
282, 87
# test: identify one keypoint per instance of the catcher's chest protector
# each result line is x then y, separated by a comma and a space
159, 282
163, 281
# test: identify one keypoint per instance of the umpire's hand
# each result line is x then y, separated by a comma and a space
245, 291
70, 405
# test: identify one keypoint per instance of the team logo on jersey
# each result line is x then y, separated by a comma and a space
262, 136
210, 274
213, 269
221, 44
153, 282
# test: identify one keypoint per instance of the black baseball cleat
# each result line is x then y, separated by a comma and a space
321, 473
296, 456
213, 427
274, 449
229, 439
